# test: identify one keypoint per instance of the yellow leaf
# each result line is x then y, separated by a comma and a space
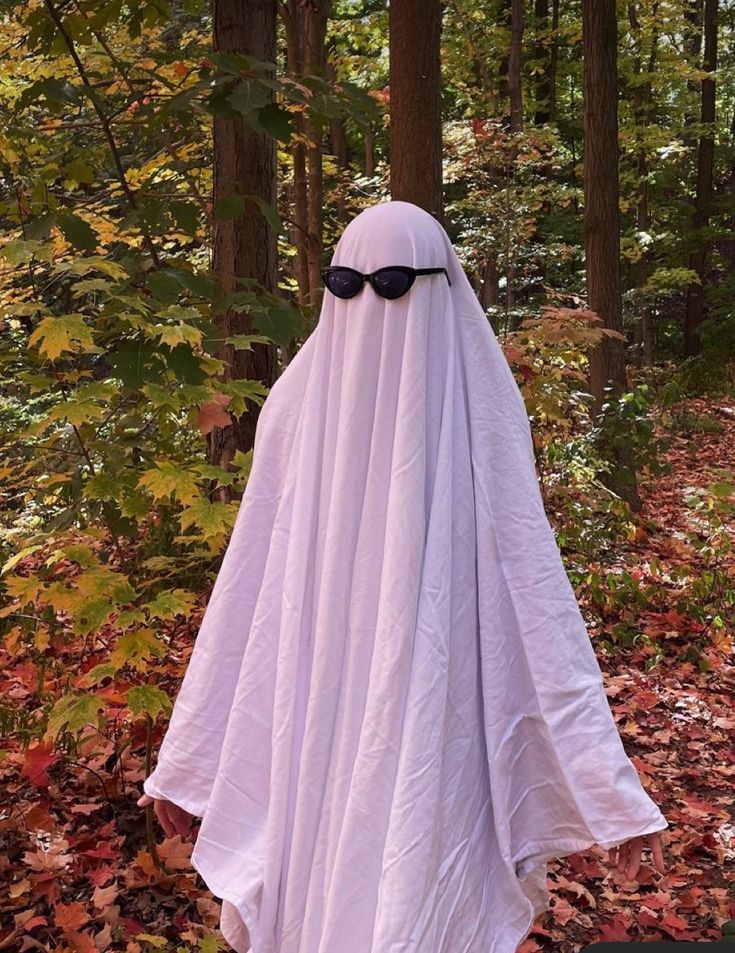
169, 480
54, 336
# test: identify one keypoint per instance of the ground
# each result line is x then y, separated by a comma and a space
80, 870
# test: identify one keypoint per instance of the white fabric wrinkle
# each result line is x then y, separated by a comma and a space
393, 715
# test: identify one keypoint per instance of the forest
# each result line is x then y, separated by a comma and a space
174, 176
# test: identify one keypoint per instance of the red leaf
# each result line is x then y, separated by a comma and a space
38, 760
614, 931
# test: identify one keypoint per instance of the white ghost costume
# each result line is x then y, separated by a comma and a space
393, 715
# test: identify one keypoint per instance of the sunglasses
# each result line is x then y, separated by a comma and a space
390, 282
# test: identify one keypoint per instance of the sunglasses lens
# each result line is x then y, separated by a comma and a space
343, 283
391, 283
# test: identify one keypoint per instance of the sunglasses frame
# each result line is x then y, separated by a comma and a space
411, 273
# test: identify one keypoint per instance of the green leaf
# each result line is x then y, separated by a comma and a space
56, 92
40, 228
169, 604
244, 342
230, 207
175, 334
20, 252
91, 614
186, 216
83, 266
215, 520
95, 675
186, 365
269, 213
136, 363
276, 122
73, 712
77, 231
79, 172
148, 699
134, 647
164, 285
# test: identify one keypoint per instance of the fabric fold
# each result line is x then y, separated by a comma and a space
393, 715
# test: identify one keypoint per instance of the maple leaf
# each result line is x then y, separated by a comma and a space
176, 852
69, 332
36, 763
613, 931
69, 917
104, 897
213, 414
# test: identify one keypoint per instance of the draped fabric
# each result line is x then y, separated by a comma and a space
393, 715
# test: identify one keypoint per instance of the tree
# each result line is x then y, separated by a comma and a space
415, 104
602, 220
244, 243
695, 304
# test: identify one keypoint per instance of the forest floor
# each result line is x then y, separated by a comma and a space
676, 721
78, 871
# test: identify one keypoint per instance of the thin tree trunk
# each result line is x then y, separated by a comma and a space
369, 151
602, 219
542, 49
641, 112
553, 59
515, 84
291, 15
337, 132
316, 15
695, 305
244, 247
415, 104
515, 88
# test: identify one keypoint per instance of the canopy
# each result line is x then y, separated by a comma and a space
393, 715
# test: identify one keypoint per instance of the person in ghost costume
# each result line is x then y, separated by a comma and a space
393, 715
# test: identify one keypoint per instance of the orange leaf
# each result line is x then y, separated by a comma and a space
70, 916
213, 414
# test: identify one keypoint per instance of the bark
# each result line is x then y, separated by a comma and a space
602, 219
316, 15
553, 59
369, 151
642, 93
245, 247
695, 305
305, 29
415, 104
515, 83
291, 16
542, 50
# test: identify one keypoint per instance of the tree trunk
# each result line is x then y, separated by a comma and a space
515, 83
602, 220
695, 305
553, 59
415, 104
542, 49
369, 151
244, 247
291, 16
641, 113
316, 15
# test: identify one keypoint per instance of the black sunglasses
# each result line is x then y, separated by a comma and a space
390, 282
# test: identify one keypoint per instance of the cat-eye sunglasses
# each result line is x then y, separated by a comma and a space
392, 281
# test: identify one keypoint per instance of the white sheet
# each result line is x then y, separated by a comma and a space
393, 715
